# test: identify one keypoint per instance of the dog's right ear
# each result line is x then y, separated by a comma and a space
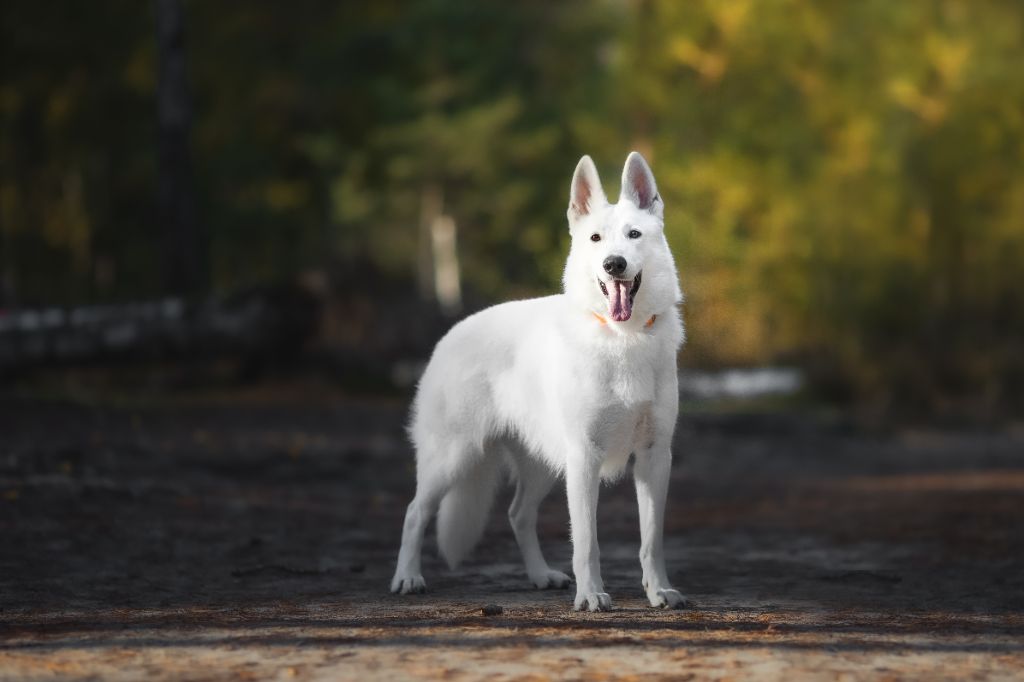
586, 193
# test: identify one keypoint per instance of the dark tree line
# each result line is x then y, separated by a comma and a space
843, 180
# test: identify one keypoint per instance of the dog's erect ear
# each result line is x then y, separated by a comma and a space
586, 192
638, 184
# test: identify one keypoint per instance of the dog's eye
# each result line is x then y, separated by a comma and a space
634, 234
595, 237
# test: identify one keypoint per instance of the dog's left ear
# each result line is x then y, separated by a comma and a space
638, 185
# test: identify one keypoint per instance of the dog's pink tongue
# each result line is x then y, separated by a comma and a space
619, 305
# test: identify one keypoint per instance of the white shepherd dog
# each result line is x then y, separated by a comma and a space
566, 385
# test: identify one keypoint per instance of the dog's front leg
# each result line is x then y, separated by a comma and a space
583, 482
651, 472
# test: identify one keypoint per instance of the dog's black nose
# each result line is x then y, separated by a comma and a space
615, 265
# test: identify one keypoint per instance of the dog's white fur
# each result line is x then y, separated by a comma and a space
545, 387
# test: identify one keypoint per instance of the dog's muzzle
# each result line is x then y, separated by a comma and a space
620, 294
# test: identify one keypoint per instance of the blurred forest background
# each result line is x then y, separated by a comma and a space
844, 181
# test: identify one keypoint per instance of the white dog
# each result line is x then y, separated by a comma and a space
571, 384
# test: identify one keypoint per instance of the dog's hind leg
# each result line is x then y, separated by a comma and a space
533, 482
430, 489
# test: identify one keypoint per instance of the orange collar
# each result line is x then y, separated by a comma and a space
647, 325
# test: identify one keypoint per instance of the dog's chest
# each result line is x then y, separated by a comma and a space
622, 399
627, 379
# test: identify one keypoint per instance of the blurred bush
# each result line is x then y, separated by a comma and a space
844, 181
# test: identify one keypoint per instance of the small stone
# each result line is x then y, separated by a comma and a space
492, 610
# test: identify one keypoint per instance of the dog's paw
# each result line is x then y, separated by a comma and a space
594, 601
668, 599
551, 580
408, 584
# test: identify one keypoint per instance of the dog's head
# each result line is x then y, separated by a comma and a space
620, 260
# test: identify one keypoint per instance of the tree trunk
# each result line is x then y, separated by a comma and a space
184, 257
431, 205
447, 278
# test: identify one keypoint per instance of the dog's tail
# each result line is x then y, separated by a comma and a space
465, 509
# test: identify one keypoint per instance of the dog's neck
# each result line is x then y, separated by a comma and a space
647, 325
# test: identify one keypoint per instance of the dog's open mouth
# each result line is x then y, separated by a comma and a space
620, 297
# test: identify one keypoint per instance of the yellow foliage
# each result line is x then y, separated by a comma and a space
710, 65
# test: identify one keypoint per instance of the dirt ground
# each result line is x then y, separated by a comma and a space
253, 538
